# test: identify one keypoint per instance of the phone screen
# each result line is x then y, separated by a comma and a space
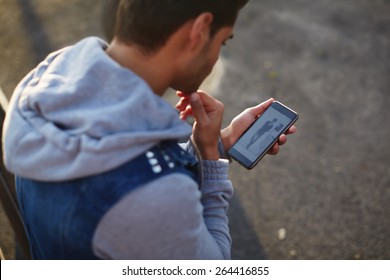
262, 134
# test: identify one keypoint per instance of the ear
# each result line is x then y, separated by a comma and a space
200, 30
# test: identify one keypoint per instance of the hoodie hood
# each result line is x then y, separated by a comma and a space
80, 113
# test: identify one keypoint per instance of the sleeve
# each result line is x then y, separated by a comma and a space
170, 218
189, 147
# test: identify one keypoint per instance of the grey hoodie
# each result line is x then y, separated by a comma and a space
78, 114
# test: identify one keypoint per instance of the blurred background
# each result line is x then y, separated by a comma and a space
326, 195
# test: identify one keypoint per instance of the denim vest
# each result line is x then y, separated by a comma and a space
61, 217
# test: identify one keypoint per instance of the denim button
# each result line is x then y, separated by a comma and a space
149, 154
156, 169
153, 161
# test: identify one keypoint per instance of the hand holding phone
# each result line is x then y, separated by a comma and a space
257, 140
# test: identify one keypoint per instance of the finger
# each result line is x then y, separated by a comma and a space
282, 139
259, 109
182, 94
182, 104
197, 108
184, 114
291, 130
274, 150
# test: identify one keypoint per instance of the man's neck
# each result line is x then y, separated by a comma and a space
154, 68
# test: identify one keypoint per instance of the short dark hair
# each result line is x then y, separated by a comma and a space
149, 23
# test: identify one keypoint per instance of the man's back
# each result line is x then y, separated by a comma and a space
75, 128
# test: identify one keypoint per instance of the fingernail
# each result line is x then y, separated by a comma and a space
194, 96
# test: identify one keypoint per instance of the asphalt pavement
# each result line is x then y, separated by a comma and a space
326, 194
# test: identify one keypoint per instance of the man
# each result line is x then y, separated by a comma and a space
94, 148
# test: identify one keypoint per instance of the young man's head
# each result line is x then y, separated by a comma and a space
149, 23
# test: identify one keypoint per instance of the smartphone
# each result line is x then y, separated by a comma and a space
255, 142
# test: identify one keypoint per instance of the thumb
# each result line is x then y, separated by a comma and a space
197, 107
259, 109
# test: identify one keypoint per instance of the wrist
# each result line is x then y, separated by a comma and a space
226, 138
209, 153
222, 152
